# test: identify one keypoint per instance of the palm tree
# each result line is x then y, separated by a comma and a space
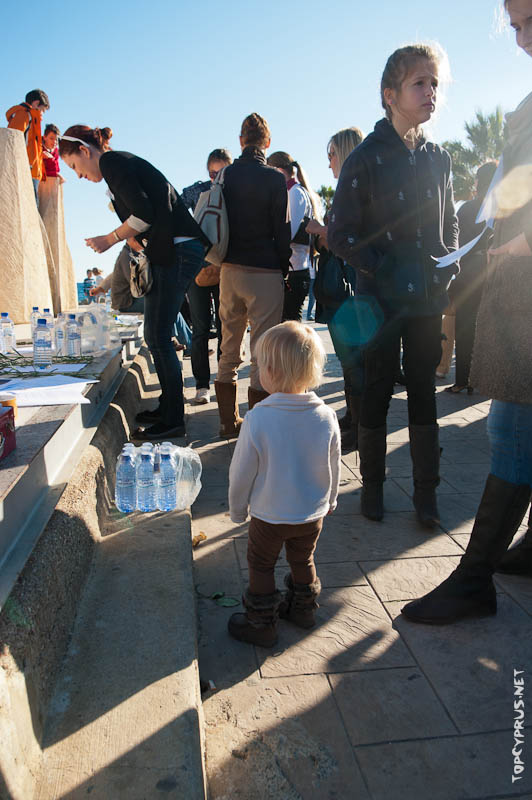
326, 193
487, 136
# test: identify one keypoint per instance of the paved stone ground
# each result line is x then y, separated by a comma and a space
366, 705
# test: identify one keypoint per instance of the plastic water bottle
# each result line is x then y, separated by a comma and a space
48, 316
108, 302
60, 338
146, 483
73, 336
7, 333
167, 500
42, 345
33, 319
126, 484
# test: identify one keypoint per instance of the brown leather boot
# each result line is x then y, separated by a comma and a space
300, 602
255, 396
228, 409
259, 623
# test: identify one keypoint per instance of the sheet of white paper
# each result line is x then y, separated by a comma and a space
56, 396
45, 382
449, 259
48, 370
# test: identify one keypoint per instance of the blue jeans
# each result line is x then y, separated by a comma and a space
161, 307
311, 299
510, 435
199, 303
183, 334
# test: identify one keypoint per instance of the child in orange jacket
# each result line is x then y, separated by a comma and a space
26, 117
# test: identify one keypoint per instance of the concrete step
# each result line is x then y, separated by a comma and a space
126, 717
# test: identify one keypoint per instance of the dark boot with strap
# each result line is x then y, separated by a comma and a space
469, 590
258, 625
230, 419
518, 560
300, 602
350, 435
372, 450
255, 396
425, 452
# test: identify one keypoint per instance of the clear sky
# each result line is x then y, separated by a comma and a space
174, 79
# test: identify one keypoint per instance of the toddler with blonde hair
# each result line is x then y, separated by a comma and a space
285, 474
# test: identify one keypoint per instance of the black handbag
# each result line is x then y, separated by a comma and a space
331, 285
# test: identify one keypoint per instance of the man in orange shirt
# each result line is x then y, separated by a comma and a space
26, 117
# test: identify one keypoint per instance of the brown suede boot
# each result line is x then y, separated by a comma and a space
228, 409
255, 396
300, 602
259, 623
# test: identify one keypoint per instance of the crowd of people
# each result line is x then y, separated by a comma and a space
381, 292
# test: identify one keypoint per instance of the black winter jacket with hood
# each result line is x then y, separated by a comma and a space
393, 210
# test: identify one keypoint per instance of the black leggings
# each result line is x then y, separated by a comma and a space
421, 355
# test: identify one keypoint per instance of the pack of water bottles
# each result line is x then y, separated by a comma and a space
156, 477
75, 334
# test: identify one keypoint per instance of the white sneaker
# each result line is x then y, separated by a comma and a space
202, 397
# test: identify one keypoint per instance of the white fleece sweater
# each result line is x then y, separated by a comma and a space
286, 464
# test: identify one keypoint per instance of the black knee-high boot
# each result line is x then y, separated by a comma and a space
469, 590
372, 450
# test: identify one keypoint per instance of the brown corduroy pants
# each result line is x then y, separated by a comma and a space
265, 542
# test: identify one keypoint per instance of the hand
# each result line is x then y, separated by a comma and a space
100, 243
315, 227
132, 242
96, 290
515, 248
61, 179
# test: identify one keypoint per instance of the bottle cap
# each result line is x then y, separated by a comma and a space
46, 310
35, 308
72, 316
5, 313
41, 322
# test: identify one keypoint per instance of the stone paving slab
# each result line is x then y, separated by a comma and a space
407, 578
284, 742
389, 705
453, 768
352, 632
471, 662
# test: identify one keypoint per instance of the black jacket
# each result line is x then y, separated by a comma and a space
139, 189
392, 211
258, 215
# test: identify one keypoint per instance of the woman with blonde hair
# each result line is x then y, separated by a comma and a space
339, 147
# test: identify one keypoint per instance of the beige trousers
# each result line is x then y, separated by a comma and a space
247, 294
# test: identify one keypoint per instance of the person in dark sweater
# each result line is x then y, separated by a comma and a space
151, 212
501, 369
393, 211
257, 259
466, 289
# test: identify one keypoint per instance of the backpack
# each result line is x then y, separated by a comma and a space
211, 215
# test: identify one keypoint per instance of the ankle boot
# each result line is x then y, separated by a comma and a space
300, 602
350, 435
518, 560
255, 396
372, 450
345, 421
258, 625
228, 409
469, 590
425, 453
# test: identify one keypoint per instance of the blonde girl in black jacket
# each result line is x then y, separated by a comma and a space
393, 212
